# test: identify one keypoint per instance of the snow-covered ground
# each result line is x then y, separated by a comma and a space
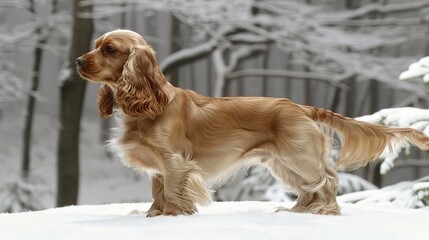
220, 220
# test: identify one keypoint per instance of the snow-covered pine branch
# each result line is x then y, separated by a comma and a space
411, 194
420, 195
417, 69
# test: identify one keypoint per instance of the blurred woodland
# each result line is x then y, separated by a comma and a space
342, 55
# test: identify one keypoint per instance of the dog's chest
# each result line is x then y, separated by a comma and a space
134, 151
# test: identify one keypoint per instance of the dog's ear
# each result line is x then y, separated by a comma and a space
140, 90
105, 100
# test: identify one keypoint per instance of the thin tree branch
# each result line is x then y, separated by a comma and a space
222, 69
288, 74
412, 163
378, 22
194, 53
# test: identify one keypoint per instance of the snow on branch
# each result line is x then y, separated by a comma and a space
418, 69
379, 8
399, 117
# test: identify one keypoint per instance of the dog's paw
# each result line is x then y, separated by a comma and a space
153, 213
166, 212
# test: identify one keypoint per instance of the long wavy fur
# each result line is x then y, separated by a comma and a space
105, 101
140, 91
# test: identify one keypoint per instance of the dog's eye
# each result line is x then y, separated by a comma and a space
109, 49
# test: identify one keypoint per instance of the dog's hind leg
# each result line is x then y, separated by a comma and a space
318, 197
316, 193
302, 166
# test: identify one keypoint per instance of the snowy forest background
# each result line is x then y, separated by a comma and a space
343, 55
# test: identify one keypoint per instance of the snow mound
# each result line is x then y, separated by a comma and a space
220, 220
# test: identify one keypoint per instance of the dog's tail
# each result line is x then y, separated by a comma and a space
364, 142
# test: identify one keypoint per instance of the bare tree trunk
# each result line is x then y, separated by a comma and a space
29, 112
31, 101
72, 96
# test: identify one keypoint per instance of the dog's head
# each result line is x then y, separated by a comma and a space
128, 70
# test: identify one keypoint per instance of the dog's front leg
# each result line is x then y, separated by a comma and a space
183, 187
160, 205
158, 196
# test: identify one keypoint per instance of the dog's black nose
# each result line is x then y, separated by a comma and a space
79, 62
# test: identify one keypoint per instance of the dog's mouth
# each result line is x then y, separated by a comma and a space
86, 75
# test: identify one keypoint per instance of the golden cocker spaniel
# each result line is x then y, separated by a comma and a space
186, 141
